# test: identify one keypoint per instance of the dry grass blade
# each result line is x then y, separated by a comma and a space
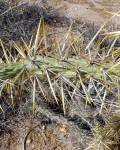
37, 37
59, 49
102, 101
1, 108
115, 67
29, 52
112, 46
117, 33
89, 44
66, 37
34, 94
40, 87
20, 51
5, 54
11, 95
44, 34
88, 98
2, 87
63, 97
51, 86
112, 13
18, 76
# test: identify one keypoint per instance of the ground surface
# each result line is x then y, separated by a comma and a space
49, 129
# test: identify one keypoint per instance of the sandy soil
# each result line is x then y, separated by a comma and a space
90, 15
92, 11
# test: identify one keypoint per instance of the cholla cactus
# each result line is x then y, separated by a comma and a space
29, 59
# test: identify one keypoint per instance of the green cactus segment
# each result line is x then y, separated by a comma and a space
67, 68
70, 67
10, 70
